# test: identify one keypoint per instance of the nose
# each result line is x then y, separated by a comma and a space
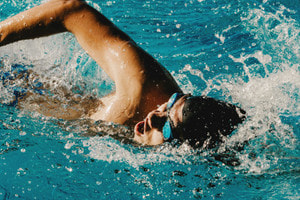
157, 119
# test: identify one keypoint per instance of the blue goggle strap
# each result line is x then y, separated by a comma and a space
167, 128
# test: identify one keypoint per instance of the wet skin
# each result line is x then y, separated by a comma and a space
141, 82
150, 131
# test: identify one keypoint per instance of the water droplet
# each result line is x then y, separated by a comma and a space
69, 169
178, 25
98, 182
22, 133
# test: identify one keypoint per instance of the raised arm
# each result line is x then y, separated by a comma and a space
42, 20
93, 31
141, 82
56, 16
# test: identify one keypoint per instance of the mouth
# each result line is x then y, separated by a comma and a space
139, 128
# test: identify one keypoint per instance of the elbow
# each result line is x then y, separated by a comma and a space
72, 2
74, 5
71, 6
70, 10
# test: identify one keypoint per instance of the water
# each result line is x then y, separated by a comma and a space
244, 52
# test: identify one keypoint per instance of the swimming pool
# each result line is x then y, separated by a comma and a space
244, 52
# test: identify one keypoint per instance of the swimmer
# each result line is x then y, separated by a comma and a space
146, 96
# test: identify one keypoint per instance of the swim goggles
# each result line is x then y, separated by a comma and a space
167, 128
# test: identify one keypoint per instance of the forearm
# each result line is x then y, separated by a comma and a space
43, 20
103, 41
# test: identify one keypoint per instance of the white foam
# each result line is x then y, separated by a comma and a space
106, 149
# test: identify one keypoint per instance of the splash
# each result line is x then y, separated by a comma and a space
106, 149
268, 89
268, 102
270, 93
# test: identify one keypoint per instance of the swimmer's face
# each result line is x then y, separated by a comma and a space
150, 131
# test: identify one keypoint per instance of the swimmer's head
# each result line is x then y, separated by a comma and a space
197, 119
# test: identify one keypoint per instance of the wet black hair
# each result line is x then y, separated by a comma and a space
206, 121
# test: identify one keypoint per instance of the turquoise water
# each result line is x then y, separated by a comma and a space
244, 52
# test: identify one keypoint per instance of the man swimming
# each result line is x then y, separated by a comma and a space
141, 82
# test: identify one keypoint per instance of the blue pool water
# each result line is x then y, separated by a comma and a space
242, 51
